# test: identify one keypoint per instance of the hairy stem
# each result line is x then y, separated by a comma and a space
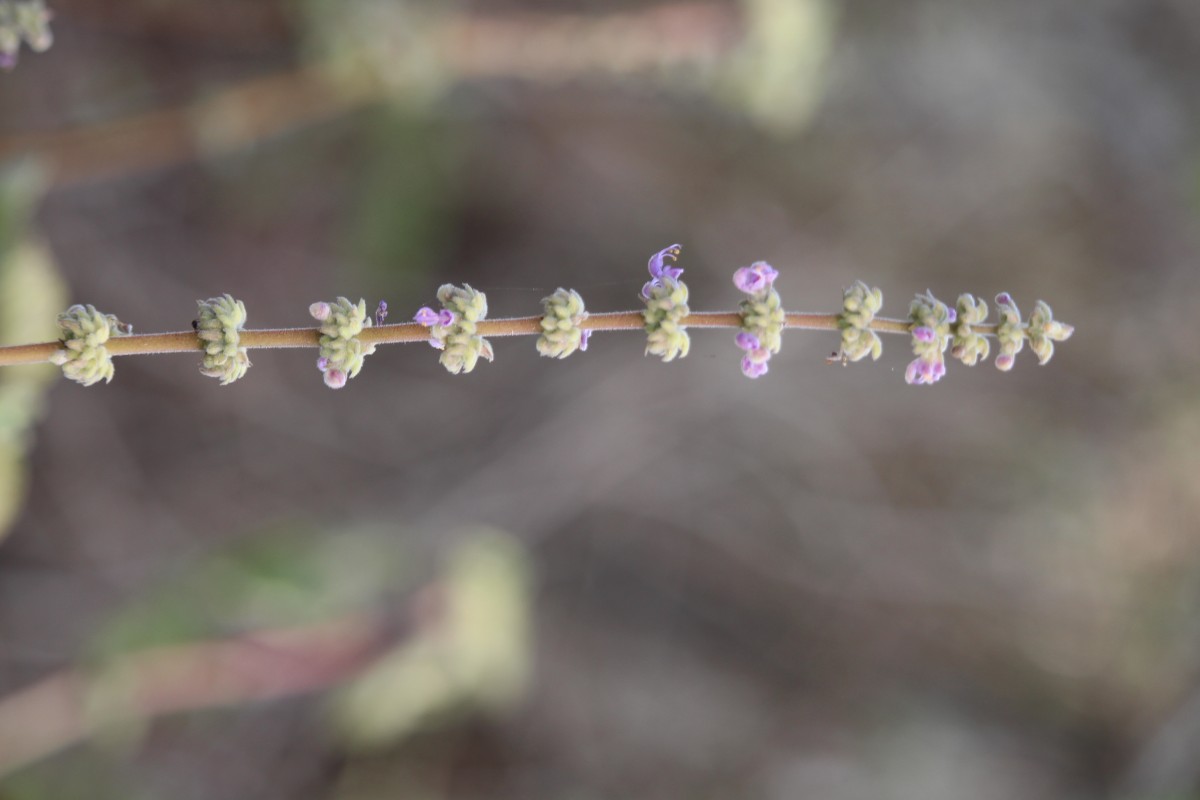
187, 341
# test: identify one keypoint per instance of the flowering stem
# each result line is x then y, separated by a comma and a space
188, 342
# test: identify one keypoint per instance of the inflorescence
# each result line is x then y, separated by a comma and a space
347, 333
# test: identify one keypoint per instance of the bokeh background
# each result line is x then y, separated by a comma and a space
604, 577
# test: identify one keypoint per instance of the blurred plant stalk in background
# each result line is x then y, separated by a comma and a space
763, 58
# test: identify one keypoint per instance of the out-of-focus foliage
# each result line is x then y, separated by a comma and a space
31, 294
777, 73
470, 649
278, 579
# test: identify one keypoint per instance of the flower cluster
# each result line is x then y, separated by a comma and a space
930, 321
84, 357
969, 346
27, 20
1010, 333
561, 331
666, 308
217, 325
1044, 331
453, 330
762, 315
342, 352
860, 304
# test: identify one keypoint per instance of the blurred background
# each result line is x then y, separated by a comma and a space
604, 577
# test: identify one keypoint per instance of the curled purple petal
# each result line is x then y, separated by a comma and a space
426, 316
748, 341
584, 335
924, 334
446, 317
647, 286
748, 280
951, 314
672, 272
1004, 299
437, 344
937, 370
322, 363
1004, 362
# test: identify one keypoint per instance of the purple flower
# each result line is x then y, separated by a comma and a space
1004, 362
755, 278
381, 312
322, 363
1004, 299
923, 334
753, 368
446, 317
924, 371
320, 311
335, 378
437, 344
426, 316
951, 315
748, 341
747, 280
584, 335
659, 269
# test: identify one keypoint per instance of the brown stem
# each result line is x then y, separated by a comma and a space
408, 332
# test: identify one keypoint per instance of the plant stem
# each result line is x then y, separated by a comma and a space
408, 332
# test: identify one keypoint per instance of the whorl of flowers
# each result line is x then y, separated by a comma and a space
930, 321
453, 330
23, 20
1044, 331
762, 315
967, 345
666, 307
84, 357
342, 352
218, 324
561, 334
1010, 333
860, 304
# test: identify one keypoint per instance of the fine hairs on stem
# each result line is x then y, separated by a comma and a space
347, 334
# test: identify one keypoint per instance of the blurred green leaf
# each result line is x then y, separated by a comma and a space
472, 653
281, 578
31, 295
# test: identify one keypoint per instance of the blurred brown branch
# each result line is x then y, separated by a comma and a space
59, 710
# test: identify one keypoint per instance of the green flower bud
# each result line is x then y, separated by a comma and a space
666, 310
461, 345
860, 304
341, 351
84, 357
1044, 331
967, 345
1010, 333
218, 322
561, 334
